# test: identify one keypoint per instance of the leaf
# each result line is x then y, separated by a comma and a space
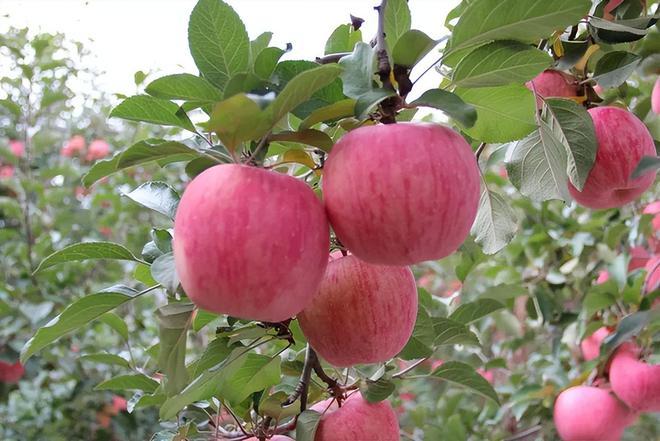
496, 224
236, 120
259, 44
342, 39
184, 87
265, 63
86, 251
368, 100
614, 68
419, 344
144, 108
522, 20
471, 255
11, 106
129, 382
505, 291
475, 310
173, 323
301, 88
218, 41
257, 373
449, 103
78, 314
157, 196
450, 332
620, 31
504, 113
311, 137
396, 21
329, 113
465, 375
203, 318
359, 67
500, 63
575, 128
378, 390
105, 358
163, 271
216, 352
117, 323
411, 47
628, 327
646, 165
596, 300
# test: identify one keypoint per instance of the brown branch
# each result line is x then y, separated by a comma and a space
331, 58
303, 385
480, 150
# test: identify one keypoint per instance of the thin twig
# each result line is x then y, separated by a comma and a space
331, 58
480, 149
434, 63
262, 142
303, 385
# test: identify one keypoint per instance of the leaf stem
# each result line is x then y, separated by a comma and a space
402, 372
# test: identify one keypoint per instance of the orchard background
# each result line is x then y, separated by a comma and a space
138, 302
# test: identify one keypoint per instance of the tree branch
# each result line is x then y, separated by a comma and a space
480, 150
331, 58
303, 385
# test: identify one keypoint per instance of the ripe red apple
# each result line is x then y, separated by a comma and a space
6, 171
637, 383
119, 404
653, 274
11, 373
403, 193
273, 438
73, 146
552, 83
655, 97
362, 313
250, 243
591, 345
638, 258
622, 141
17, 147
585, 413
98, 149
356, 419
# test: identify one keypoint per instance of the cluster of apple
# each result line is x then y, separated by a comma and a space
17, 148
77, 146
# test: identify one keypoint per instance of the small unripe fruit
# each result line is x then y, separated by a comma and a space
584, 413
622, 141
403, 193
250, 243
637, 383
356, 420
363, 313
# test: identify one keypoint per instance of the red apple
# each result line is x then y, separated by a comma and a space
273, 438
11, 373
637, 383
591, 345
403, 193
119, 403
98, 149
552, 83
653, 274
74, 146
599, 90
6, 171
638, 258
17, 147
603, 276
655, 97
622, 141
584, 413
489, 376
250, 243
356, 419
363, 313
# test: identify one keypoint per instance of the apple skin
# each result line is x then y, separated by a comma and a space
250, 243
552, 83
17, 148
399, 194
73, 146
273, 438
363, 313
655, 97
622, 141
635, 382
603, 276
11, 373
98, 149
652, 274
638, 258
591, 345
356, 419
585, 413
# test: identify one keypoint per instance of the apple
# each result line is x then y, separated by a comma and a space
273, 438
586, 413
638, 258
622, 141
250, 243
603, 276
362, 313
6, 171
655, 97
11, 373
552, 83
98, 149
653, 274
591, 345
403, 193
489, 376
356, 419
73, 146
635, 382
16, 147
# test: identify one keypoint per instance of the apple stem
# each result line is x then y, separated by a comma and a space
409, 368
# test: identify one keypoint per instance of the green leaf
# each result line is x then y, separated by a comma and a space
500, 63
505, 291
259, 44
78, 314
310, 137
157, 196
203, 318
257, 373
419, 344
174, 320
369, 100
596, 300
378, 390
449, 103
51, 97
614, 68
117, 323
628, 327
397, 21
218, 41
11, 106
216, 352
342, 39
147, 151
329, 113
575, 129
129, 382
646, 164
359, 67
411, 47
522, 20
465, 375
265, 63
163, 271
144, 108
496, 224
470, 312
105, 358
620, 31
306, 426
86, 251
238, 119
450, 332
301, 88
471, 255
183, 87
